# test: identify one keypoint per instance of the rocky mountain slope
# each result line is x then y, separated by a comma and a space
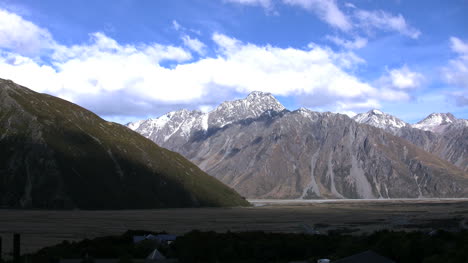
440, 133
439, 122
55, 154
303, 154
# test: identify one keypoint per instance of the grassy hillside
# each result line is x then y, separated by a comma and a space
59, 155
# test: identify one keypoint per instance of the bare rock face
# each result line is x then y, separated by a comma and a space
439, 133
55, 154
303, 154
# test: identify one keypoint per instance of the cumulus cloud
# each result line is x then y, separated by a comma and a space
22, 36
327, 10
397, 83
370, 20
113, 79
405, 79
194, 44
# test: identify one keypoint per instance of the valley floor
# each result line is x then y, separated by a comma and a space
40, 228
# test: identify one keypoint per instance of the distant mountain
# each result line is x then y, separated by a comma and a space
381, 120
55, 154
439, 122
440, 133
177, 127
265, 151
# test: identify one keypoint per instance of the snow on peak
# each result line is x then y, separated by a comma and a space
184, 122
257, 95
380, 119
437, 122
252, 106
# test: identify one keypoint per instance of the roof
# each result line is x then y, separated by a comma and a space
156, 255
367, 256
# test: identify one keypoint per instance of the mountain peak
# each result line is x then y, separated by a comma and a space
441, 117
376, 112
436, 122
258, 94
379, 119
254, 104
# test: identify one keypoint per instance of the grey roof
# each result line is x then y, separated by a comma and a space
156, 255
367, 256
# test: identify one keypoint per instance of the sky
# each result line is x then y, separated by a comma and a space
128, 60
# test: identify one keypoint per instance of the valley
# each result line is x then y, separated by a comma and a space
40, 228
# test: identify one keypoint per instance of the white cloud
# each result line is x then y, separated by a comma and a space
350, 5
358, 20
401, 79
327, 10
176, 25
344, 107
104, 68
357, 43
264, 3
404, 78
194, 44
113, 79
458, 46
456, 72
382, 20
19, 35
101, 45
225, 43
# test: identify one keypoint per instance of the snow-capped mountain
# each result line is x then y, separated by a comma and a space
439, 122
380, 119
263, 150
182, 123
439, 133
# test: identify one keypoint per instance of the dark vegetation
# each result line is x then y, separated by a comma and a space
102, 247
196, 246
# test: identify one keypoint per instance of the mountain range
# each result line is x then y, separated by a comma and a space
263, 150
439, 133
55, 154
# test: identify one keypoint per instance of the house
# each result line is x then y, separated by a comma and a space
367, 256
165, 239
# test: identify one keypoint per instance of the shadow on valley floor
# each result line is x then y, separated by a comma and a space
259, 246
46, 228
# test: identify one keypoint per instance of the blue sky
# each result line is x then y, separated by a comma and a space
128, 60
